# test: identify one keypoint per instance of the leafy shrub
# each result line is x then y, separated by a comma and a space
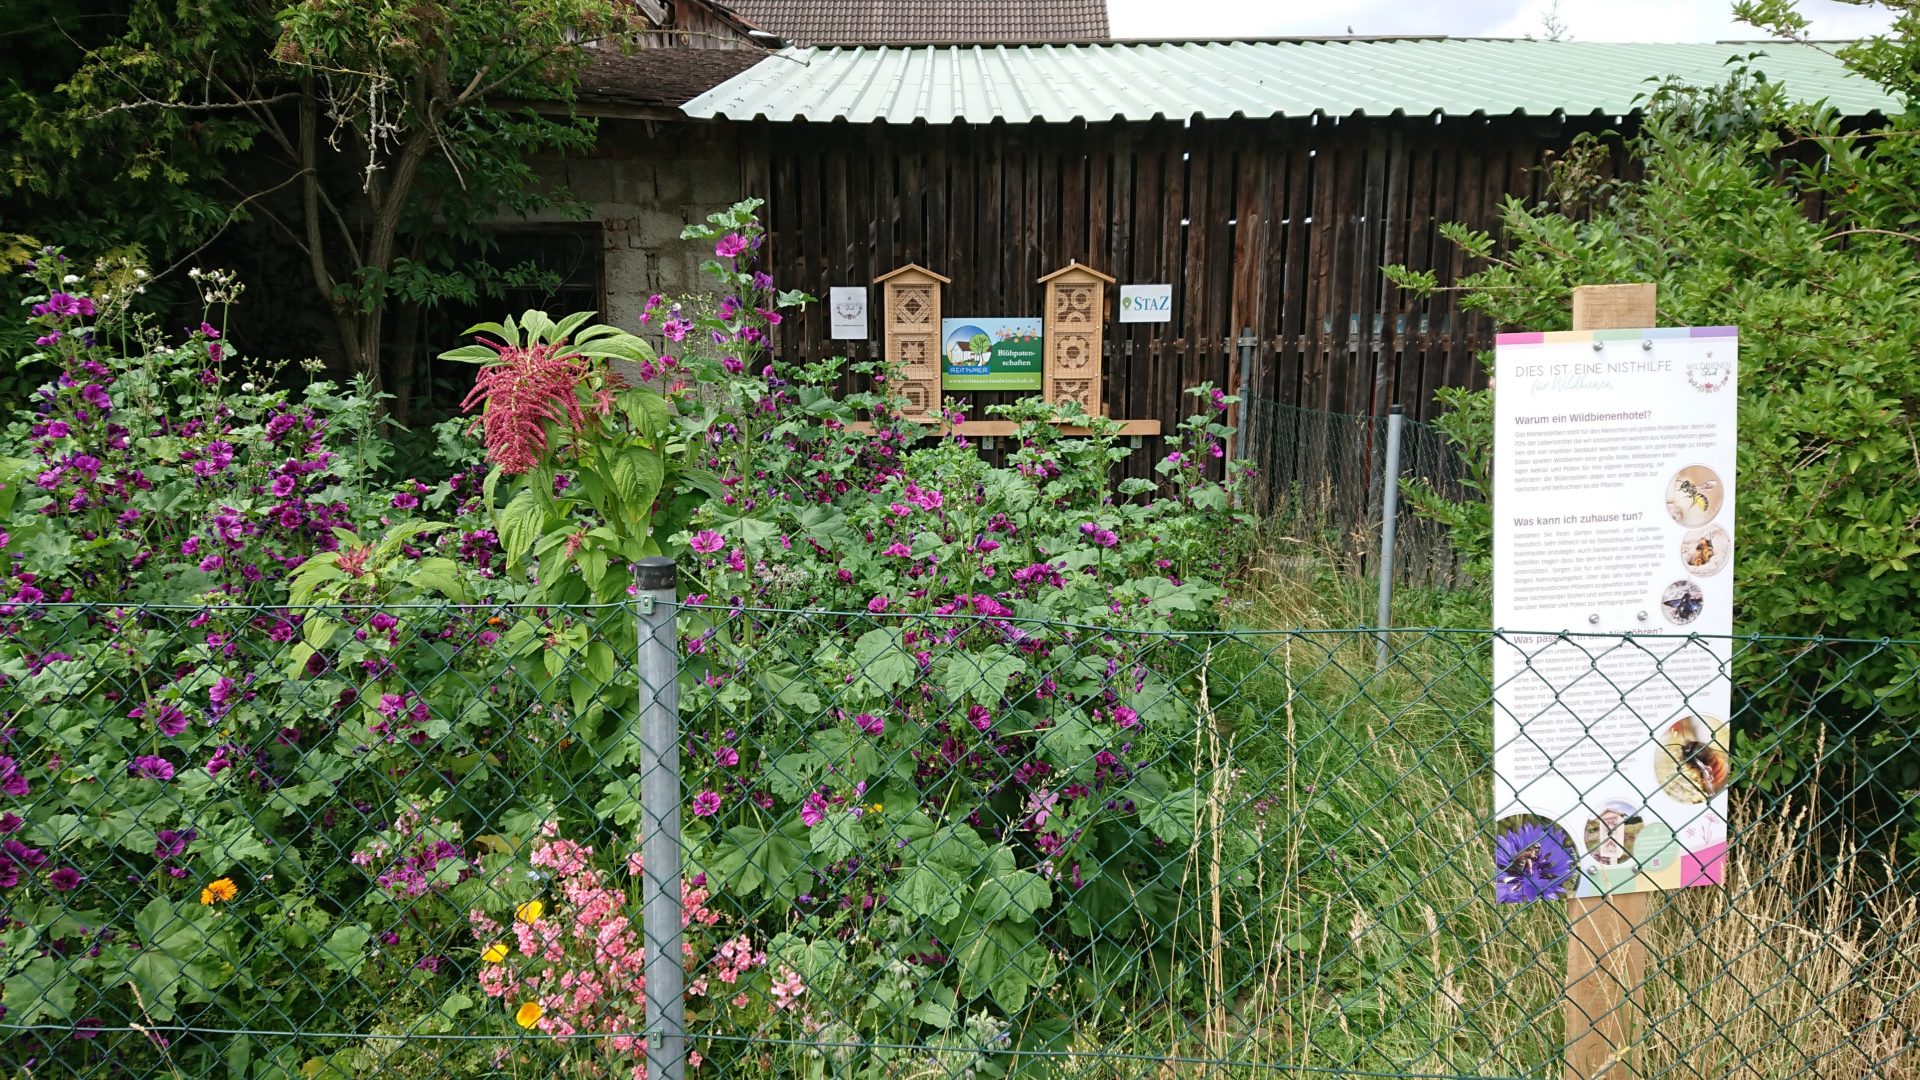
318, 744
1829, 394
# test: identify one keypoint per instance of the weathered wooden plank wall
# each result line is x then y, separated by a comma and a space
1281, 226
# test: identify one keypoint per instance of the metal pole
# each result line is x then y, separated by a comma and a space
1247, 343
1389, 513
666, 1027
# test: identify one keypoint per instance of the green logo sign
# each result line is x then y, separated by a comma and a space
990, 354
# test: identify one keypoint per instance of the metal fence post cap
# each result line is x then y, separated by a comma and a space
655, 572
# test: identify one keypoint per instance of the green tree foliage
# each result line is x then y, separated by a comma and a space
375, 137
1828, 305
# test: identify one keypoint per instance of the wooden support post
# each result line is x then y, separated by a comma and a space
910, 318
1606, 959
1076, 323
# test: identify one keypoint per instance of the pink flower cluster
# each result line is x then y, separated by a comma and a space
528, 386
581, 958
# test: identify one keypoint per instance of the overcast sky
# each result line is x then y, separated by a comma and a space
1584, 20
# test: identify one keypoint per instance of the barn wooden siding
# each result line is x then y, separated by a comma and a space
1277, 225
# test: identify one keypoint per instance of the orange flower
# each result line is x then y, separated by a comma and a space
528, 1014
219, 891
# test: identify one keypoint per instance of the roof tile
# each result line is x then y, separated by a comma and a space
876, 22
662, 77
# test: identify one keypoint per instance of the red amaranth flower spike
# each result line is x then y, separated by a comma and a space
527, 387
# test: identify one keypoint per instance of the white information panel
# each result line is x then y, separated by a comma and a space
1613, 541
847, 312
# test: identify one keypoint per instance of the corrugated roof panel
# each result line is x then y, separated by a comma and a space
1220, 79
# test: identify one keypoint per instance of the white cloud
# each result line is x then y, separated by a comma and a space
1585, 20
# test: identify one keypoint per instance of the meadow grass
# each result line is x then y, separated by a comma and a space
1340, 907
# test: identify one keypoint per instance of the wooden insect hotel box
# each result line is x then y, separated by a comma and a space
910, 316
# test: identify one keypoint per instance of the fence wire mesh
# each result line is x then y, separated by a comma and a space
344, 842
1319, 477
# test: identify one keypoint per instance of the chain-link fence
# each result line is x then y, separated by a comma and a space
1319, 478
406, 842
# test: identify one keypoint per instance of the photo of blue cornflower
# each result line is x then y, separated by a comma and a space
1532, 860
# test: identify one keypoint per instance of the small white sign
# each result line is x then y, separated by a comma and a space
847, 307
1146, 303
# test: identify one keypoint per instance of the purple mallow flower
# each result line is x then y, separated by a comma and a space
11, 782
150, 767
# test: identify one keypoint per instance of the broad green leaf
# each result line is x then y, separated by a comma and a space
439, 575
345, 950
318, 630
471, 354
1008, 892
838, 835
931, 891
981, 676
521, 522
795, 773
1171, 816
636, 475
157, 976
883, 662
1070, 741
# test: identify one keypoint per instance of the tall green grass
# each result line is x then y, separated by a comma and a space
1342, 918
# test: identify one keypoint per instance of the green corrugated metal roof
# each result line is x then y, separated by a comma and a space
1218, 79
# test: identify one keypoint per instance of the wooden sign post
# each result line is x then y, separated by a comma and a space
1076, 321
1606, 959
910, 316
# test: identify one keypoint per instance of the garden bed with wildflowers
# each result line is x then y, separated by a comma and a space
294, 751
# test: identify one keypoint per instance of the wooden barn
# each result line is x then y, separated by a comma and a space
1265, 181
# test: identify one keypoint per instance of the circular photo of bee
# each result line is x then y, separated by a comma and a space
1533, 859
1681, 602
1692, 765
1609, 836
1694, 496
1705, 552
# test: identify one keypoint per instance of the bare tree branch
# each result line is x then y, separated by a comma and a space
233, 215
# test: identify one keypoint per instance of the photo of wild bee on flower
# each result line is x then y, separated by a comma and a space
1692, 767
1533, 859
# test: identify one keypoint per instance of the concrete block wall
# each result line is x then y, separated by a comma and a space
643, 183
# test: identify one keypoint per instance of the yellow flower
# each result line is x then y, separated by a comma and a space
530, 911
219, 891
528, 1015
876, 808
495, 953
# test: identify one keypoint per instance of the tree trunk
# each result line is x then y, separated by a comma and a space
381, 238
406, 361
323, 280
